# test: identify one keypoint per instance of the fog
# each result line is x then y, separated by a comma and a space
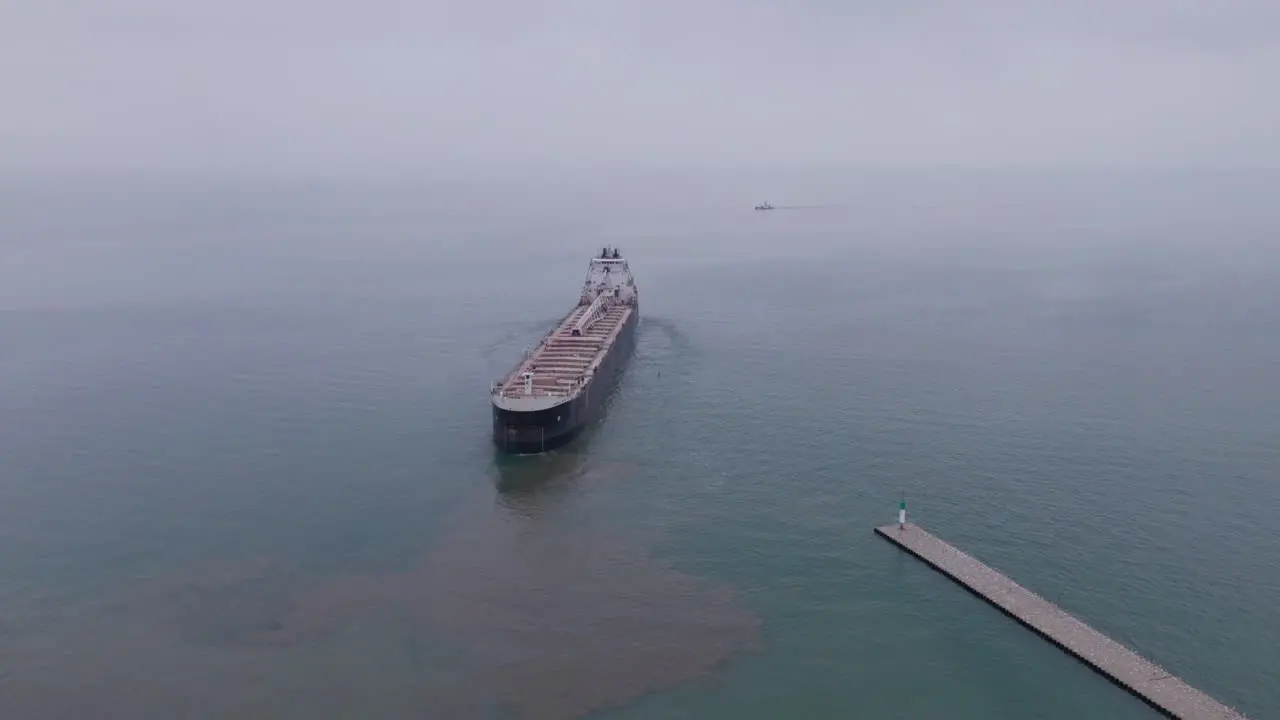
400, 84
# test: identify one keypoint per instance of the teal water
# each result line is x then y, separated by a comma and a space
245, 471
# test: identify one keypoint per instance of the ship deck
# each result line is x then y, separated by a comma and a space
562, 361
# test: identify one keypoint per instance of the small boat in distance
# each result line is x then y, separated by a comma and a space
764, 206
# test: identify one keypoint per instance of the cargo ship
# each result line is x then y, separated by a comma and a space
561, 384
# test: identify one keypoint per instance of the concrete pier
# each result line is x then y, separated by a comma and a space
1150, 682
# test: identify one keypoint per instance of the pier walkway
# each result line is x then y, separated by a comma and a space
1150, 682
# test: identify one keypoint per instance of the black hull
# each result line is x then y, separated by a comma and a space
526, 433
515, 446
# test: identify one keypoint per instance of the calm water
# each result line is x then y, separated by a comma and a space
244, 468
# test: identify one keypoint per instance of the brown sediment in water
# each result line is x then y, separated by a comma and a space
563, 622
555, 620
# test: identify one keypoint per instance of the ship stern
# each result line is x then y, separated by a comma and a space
531, 431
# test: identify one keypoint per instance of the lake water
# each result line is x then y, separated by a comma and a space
245, 468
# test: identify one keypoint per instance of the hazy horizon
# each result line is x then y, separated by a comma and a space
395, 87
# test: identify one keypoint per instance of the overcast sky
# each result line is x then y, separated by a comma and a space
421, 83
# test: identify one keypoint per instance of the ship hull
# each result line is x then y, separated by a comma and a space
532, 432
